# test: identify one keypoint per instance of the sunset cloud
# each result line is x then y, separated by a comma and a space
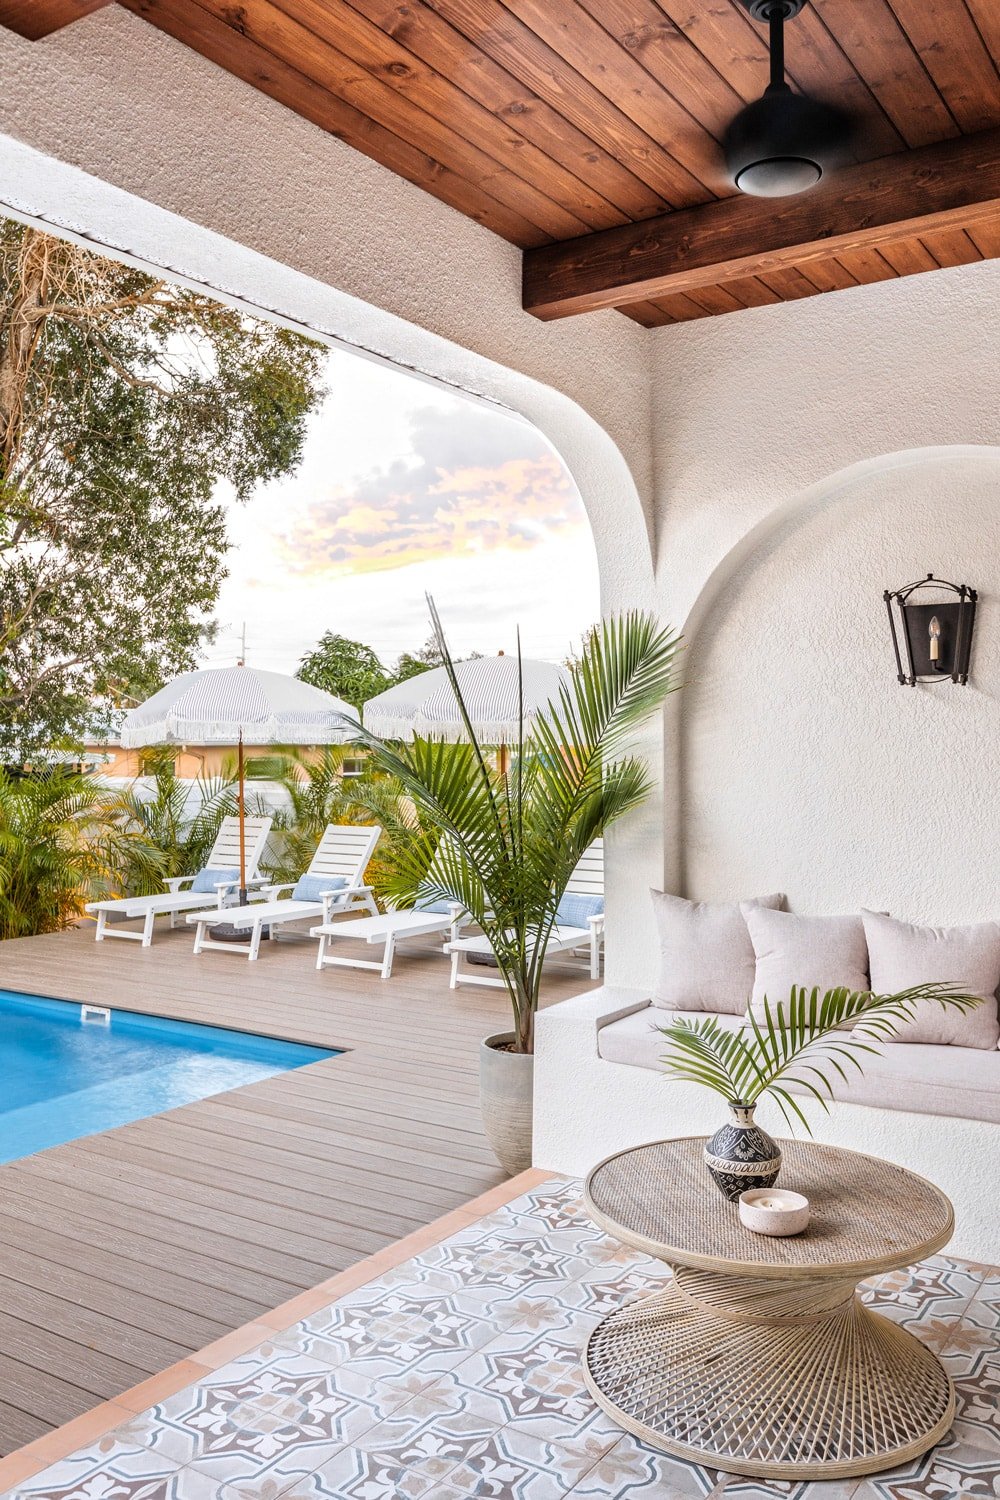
472, 483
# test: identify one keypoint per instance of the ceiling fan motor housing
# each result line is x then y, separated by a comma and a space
784, 143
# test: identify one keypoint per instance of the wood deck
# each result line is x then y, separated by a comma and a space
123, 1252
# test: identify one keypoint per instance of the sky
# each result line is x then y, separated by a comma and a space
403, 490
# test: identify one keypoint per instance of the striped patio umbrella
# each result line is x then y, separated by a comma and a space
236, 706
426, 705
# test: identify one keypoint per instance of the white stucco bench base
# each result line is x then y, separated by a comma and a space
588, 1106
388, 928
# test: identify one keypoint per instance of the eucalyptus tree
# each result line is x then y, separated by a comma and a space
125, 403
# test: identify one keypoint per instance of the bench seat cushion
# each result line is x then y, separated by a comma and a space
922, 1078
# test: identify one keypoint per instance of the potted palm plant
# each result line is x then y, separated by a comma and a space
509, 831
802, 1042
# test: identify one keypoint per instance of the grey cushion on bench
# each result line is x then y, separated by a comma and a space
903, 955
635, 1038
706, 956
920, 1078
824, 953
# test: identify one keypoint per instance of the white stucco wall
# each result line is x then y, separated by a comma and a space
789, 495
702, 444
751, 410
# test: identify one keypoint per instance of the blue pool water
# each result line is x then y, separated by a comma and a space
62, 1077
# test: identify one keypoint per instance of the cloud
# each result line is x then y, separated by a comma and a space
474, 481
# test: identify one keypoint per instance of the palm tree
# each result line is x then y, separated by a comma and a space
179, 819
505, 842
318, 793
64, 840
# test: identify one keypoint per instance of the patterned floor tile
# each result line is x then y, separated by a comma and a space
930, 1299
556, 1206
525, 1254
106, 1470
975, 1370
735, 1488
950, 1472
514, 1465
632, 1471
984, 1309
459, 1375
534, 1380
603, 1288
407, 1322
355, 1475
260, 1404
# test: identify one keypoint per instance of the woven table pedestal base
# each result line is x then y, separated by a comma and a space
773, 1379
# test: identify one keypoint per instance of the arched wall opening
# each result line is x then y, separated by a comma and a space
66, 201
802, 764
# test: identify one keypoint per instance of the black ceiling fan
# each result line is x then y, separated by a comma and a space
784, 143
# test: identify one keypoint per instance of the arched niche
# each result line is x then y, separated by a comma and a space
801, 764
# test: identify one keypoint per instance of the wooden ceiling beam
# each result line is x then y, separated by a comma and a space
954, 183
34, 19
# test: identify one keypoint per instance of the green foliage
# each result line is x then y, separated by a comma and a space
801, 1041
124, 402
319, 793
506, 843
346, 668
351, 670
160, 817
412, 663
63, 841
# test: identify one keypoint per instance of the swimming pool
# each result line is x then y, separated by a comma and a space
63, 1076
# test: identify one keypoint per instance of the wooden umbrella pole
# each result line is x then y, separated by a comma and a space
243, 832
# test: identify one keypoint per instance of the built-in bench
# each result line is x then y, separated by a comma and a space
929, 1080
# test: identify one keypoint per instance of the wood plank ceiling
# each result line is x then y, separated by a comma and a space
558, 120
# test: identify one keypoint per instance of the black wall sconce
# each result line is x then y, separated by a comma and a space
936, 634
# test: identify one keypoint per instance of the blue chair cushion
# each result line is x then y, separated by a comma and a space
311, 887
576, 911
206, 880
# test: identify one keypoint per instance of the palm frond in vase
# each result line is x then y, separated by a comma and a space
801, 1042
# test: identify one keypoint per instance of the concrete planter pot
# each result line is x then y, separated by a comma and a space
505, 1089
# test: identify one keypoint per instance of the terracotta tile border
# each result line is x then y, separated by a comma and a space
91, 1425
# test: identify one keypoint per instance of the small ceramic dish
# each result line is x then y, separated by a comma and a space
774, 1211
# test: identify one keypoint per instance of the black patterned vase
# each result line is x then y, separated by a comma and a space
740, 1155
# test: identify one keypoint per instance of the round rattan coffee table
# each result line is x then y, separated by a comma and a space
759, 1357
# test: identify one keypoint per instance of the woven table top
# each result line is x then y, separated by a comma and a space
867, 1215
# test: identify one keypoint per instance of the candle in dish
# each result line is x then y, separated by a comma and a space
774, 1211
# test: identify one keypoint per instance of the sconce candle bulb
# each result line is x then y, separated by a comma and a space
934, 630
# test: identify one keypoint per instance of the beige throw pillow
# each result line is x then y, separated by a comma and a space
903, 955
821, 952
706, 956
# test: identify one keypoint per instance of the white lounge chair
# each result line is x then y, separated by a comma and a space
174, 901
434, 916
584, 888
389, 928
336, 874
